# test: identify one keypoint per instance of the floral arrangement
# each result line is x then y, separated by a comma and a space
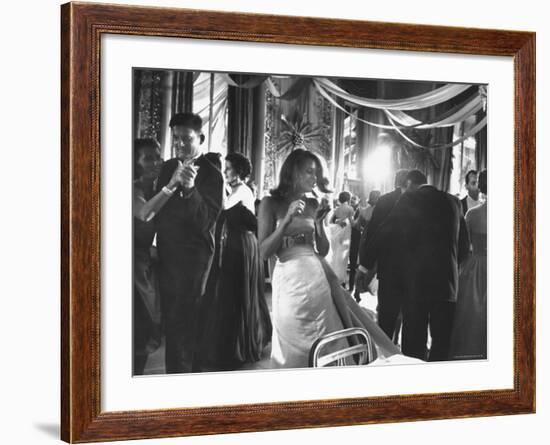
298, 133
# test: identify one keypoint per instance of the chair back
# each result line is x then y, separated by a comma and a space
359, 350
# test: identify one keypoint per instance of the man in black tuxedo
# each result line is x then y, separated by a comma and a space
472, 198
386, 263
185, 238
432, 232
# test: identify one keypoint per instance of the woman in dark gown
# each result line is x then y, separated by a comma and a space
146, 323
237, 325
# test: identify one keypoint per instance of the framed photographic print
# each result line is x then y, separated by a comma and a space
284, 222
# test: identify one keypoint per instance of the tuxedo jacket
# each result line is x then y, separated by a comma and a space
185, 229
387, 257
429, 227
464, 202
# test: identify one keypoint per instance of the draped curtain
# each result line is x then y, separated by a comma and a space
439, 173
239, 120
481, 148
246, 116
296, 88
435, 112
182, 91
258, 137
175, 96
423, 117
433, 154
165, 133
434, 97
337, 149
210, 103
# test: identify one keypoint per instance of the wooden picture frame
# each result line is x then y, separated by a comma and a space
82, 26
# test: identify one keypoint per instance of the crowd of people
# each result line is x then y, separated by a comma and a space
431, 263
202, 289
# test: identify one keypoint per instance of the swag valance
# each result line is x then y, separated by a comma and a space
394, 110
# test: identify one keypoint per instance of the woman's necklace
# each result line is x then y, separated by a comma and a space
234, 185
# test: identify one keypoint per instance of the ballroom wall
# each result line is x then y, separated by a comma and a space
30, 208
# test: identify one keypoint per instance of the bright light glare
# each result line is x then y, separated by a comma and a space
377, 166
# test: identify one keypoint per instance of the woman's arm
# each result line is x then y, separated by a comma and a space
342, 215
321, 239
146, 210
270, 236
335, 216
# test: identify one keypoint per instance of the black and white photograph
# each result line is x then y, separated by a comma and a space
284, 221
267, 222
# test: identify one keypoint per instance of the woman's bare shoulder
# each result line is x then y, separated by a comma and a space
267, 201
273, 206
268, 204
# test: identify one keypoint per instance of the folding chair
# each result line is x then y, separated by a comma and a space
361, 351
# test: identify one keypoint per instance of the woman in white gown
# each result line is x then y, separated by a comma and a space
308, 301
340, 237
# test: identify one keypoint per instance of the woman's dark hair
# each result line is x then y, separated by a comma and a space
482, 182
241, 164
141, 144
344, 197
290, 170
